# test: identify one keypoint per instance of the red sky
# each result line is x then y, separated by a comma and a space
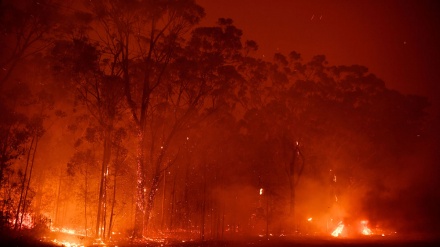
397, 40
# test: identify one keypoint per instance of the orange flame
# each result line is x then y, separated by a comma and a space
338, 230
365, 229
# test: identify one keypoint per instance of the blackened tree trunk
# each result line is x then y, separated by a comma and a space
100, 221
203, 212
110, 224
86, 189
21, 200
29, 179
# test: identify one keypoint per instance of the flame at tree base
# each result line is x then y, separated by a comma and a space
338, 230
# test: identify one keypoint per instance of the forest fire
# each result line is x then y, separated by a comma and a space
130, 121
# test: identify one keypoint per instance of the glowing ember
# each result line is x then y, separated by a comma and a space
309, 219
338, 230
261, 191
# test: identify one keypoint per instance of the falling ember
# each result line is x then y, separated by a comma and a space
309, 219
261, 191
338, 230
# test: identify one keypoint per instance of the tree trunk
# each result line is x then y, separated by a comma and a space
29, 180
150, 201
172, 204
223, 223
103, 183
202, 225
163, 200
86, 187
155, 184
292, 201
296, 168
20, 202
104, 209
267, 215
57, 209
140, 185
113, 206
187, 213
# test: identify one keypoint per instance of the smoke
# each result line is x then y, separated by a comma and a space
404, 197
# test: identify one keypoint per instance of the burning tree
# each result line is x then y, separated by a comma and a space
101, 95
139, 39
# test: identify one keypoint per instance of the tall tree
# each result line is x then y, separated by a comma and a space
83, 163
139, 38
100, 93
13, 135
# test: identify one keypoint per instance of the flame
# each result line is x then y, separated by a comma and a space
68, 231
71, 238
26, 221
65, 243
338, 230
365, 229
